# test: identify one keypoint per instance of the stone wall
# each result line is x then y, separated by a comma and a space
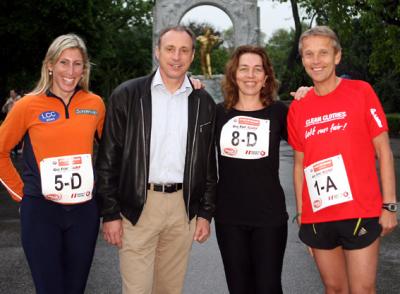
212, 86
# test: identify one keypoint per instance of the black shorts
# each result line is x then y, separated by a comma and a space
350, 234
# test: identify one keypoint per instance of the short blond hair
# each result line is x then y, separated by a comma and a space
323, 31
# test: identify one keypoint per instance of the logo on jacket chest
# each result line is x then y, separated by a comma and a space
49, 116
86, 111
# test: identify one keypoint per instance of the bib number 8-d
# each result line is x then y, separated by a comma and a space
245, 138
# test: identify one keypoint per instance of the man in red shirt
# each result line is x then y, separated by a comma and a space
336, 132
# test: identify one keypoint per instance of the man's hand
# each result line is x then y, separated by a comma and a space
112, 232
300, 92
197, 84
202, 231
388, 221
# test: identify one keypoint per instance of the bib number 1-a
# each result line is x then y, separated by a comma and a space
67, 179
327, 183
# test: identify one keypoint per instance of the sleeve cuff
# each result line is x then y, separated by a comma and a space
111, 217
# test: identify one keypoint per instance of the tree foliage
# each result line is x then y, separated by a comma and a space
118, 35
278, 48
126, 44
288, 71
379, 20
369, 31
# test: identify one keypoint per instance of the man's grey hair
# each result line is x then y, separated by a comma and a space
323, 31
178, 29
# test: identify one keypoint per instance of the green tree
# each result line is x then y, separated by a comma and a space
289, 72
372, 23
369, 31
117, 33
124, 50
278, 47
27, 28
229, 39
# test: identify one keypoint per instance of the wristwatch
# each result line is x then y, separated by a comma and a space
392, 207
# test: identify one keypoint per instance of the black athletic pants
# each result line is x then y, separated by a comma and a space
252, 257
59, 243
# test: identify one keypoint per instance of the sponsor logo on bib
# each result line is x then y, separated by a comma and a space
230, 151
53, 197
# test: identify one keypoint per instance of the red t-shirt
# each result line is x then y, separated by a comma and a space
341, 125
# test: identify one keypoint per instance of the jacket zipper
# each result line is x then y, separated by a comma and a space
191, 158
66, 106
144, 153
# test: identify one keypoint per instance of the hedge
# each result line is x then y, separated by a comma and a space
394, 124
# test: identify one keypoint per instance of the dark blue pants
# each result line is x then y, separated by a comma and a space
59, 243
252, 257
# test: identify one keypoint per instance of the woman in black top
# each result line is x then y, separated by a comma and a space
251, 217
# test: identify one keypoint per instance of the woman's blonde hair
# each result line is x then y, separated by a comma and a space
68, 41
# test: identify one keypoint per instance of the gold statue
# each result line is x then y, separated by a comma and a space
207, 42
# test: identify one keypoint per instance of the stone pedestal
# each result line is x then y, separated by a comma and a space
212, 86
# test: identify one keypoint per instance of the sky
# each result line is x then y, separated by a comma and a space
273, 16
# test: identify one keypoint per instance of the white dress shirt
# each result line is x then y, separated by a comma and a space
169, 125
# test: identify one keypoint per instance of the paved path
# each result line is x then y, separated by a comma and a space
205, 274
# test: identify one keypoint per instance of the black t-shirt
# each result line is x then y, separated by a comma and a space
249, 191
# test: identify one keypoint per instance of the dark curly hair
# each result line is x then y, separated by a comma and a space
230, 87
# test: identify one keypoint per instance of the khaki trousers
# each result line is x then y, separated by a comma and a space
155, 251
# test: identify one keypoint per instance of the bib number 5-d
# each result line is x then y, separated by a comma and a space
67, 179
75, 182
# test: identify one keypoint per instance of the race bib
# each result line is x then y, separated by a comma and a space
67, 179
327, 183
245, 137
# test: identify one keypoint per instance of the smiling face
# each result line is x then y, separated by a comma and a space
320, 59
250, 75
174, 54
67, 71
